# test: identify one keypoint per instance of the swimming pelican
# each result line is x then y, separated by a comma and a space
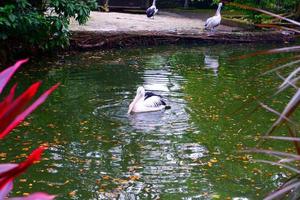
146, 102
212, 22
152, 10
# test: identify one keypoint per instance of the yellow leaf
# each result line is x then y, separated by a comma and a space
215, 196
3, 155
134, 177
72, 194
106, 177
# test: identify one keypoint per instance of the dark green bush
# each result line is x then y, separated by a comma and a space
33, 26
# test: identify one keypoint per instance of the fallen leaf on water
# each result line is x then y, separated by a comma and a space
106, 177
83, 122
215, 196
134, 177
213, 160
25, 123
72, 194
101, 190
3, 155
122, 181
209, 164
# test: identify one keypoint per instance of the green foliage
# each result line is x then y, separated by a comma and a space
39, 25
286, 8
274, 5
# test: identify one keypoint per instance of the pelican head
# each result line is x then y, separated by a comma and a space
140, 93
219, 8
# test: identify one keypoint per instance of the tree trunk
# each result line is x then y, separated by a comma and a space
297, 14
186, 4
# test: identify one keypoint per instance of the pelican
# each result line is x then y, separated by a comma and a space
212, 22
146, 102
152, 10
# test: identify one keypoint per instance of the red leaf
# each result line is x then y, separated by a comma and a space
6, 167
35, 196
6, 74
17, 106
29, 110
12, 173
7, 100
6, 189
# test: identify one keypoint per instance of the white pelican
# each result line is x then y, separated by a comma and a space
146, 102
212, 22
152, 10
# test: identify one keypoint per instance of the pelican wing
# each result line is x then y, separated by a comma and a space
151, 11
208, 21
153, 100
213, 22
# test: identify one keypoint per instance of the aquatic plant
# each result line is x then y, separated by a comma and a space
12, 112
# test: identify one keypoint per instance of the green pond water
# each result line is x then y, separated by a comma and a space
98, 151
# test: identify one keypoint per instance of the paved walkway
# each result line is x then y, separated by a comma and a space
109, 30
163, 22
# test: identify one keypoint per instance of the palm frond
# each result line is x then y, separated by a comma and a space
265, 12
282, 138
293, 169
287, 112
277, 194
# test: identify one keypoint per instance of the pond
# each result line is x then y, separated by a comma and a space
98, 151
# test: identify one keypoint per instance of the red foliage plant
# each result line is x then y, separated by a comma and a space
12, 112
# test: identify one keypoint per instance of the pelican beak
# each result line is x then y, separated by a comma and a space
131, 106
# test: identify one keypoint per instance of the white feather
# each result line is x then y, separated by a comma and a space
150, 104
214, 21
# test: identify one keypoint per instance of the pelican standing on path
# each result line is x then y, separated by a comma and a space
152, 10
147, 102
213, 22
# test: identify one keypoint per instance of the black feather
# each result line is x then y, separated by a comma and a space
156, 103
150, 12
151, 94
163, 102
